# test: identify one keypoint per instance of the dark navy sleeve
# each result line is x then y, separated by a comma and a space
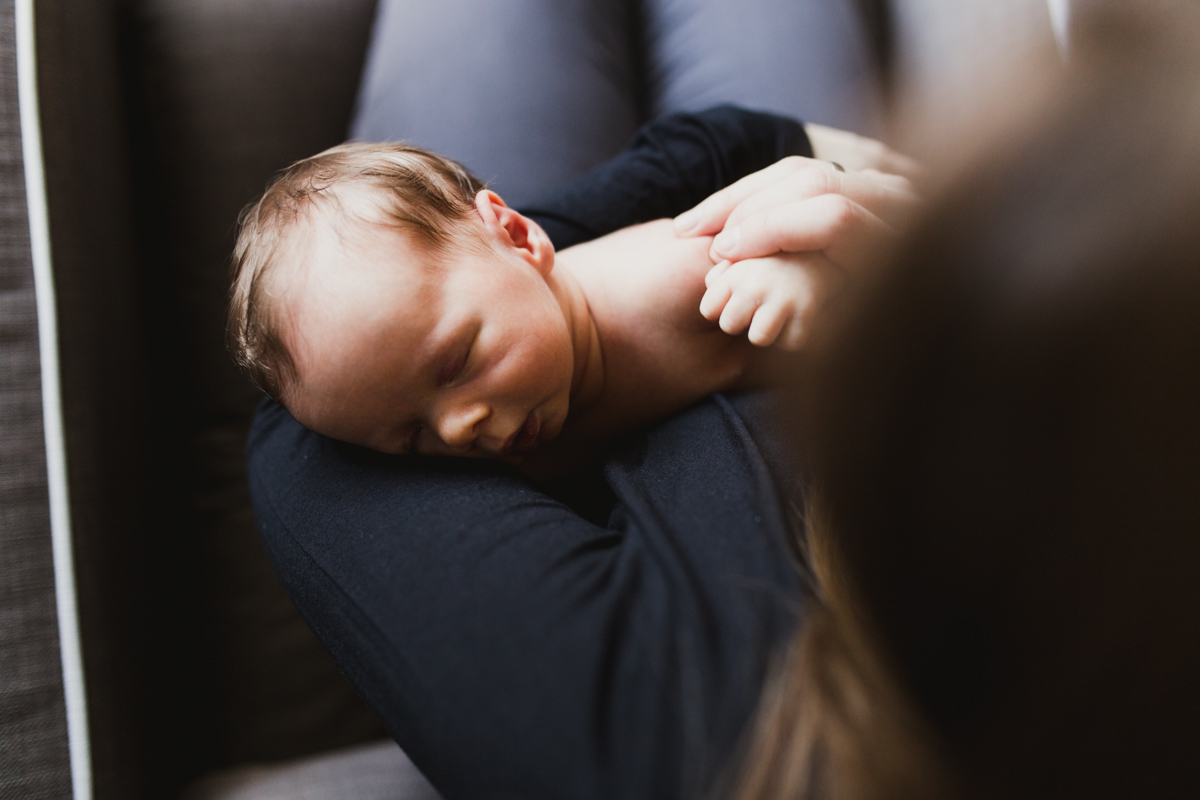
670, 165
606, 638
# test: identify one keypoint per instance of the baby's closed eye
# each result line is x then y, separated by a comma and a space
456, 366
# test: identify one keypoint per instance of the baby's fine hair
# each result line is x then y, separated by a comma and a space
413, 189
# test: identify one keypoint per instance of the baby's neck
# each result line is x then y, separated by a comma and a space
588, 377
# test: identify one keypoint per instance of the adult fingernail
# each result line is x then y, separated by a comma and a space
727, 240
686, 221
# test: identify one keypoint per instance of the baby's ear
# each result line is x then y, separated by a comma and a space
512, 230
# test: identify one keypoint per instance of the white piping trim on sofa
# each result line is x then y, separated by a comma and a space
56, 455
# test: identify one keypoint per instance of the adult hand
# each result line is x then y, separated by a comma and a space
856, 152
803, 215
802, 205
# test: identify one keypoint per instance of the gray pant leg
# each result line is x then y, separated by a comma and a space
528, 94
809, 59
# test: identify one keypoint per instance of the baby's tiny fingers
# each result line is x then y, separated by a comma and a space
738, 313
714, 300
716, 272
768, 322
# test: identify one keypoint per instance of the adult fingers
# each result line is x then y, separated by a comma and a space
889, 197
709, 216
845, 231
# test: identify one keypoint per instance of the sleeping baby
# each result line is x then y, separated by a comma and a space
388, 299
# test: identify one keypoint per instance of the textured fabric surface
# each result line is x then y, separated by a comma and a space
34, 759
376, 771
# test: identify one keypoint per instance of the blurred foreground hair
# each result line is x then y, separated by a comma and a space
1004, 426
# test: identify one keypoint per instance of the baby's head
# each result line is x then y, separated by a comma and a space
388, 299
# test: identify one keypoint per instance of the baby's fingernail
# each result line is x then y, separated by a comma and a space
686, 221
727, 240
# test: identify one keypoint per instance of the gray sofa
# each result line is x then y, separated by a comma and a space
159, 119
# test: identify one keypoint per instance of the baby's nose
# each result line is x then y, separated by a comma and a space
459, 427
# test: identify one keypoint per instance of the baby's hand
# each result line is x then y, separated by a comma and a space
772, 296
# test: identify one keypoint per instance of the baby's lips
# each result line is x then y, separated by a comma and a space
527, 437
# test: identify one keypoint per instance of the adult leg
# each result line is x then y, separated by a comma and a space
528, 94
513, 647
809, 59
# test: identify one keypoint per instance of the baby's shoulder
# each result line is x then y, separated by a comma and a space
644, 277
663, 266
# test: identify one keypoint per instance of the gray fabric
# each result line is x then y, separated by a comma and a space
526, 93
194, 657
376, 771
805, 58
34, 759
531, 93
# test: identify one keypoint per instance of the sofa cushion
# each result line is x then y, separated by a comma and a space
228, 92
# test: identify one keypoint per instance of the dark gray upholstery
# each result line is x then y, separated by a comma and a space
227, 92
103, 383
34, 760
160, 120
